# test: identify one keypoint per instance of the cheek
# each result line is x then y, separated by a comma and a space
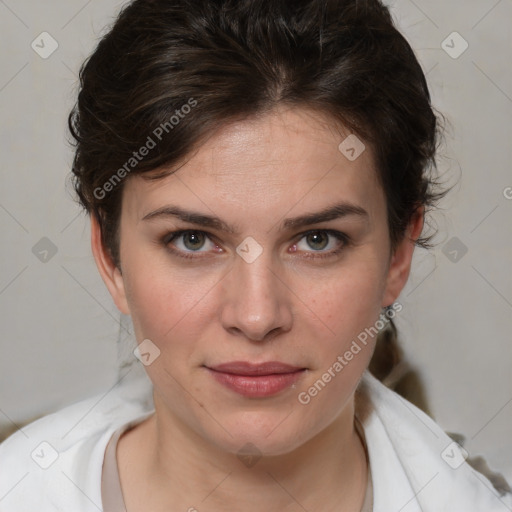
163, 304
349, 310
345, 302
171, 306
156, 295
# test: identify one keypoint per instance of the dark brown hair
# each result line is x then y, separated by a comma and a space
169, 72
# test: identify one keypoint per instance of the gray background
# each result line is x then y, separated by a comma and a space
60, 331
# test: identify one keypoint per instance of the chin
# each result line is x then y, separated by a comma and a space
269, 434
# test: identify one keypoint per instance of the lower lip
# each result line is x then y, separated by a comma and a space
257, 386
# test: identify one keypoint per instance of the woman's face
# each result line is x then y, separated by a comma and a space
253, 279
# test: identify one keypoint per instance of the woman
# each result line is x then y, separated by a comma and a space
258, 175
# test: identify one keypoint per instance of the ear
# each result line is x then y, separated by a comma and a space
400, 264
109, 272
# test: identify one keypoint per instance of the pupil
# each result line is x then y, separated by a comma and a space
315, 236
197, 238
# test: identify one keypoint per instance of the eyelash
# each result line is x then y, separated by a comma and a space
341, 237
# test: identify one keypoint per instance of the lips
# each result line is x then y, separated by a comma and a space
256, 380
246, 368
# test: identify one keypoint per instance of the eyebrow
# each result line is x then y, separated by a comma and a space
337, 211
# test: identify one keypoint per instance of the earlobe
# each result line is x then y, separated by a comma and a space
400, 264
109, 272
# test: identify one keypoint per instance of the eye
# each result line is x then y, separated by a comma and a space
319, 241
189, 241
185, 243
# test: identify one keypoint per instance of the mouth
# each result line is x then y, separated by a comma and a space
256, 380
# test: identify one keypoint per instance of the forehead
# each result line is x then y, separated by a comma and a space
290, 158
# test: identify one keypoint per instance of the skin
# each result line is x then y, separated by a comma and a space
287, 305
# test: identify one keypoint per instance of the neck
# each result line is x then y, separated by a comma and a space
186, 472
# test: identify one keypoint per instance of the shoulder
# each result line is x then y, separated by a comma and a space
408, 449
55, 462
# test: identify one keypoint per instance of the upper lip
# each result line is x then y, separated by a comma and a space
247, 368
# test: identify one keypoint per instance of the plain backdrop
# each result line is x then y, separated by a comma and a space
61, 335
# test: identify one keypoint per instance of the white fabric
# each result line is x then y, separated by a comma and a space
404, 445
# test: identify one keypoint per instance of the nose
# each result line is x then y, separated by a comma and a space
256, 301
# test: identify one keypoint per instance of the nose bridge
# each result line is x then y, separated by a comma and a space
258, 278
258, 302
